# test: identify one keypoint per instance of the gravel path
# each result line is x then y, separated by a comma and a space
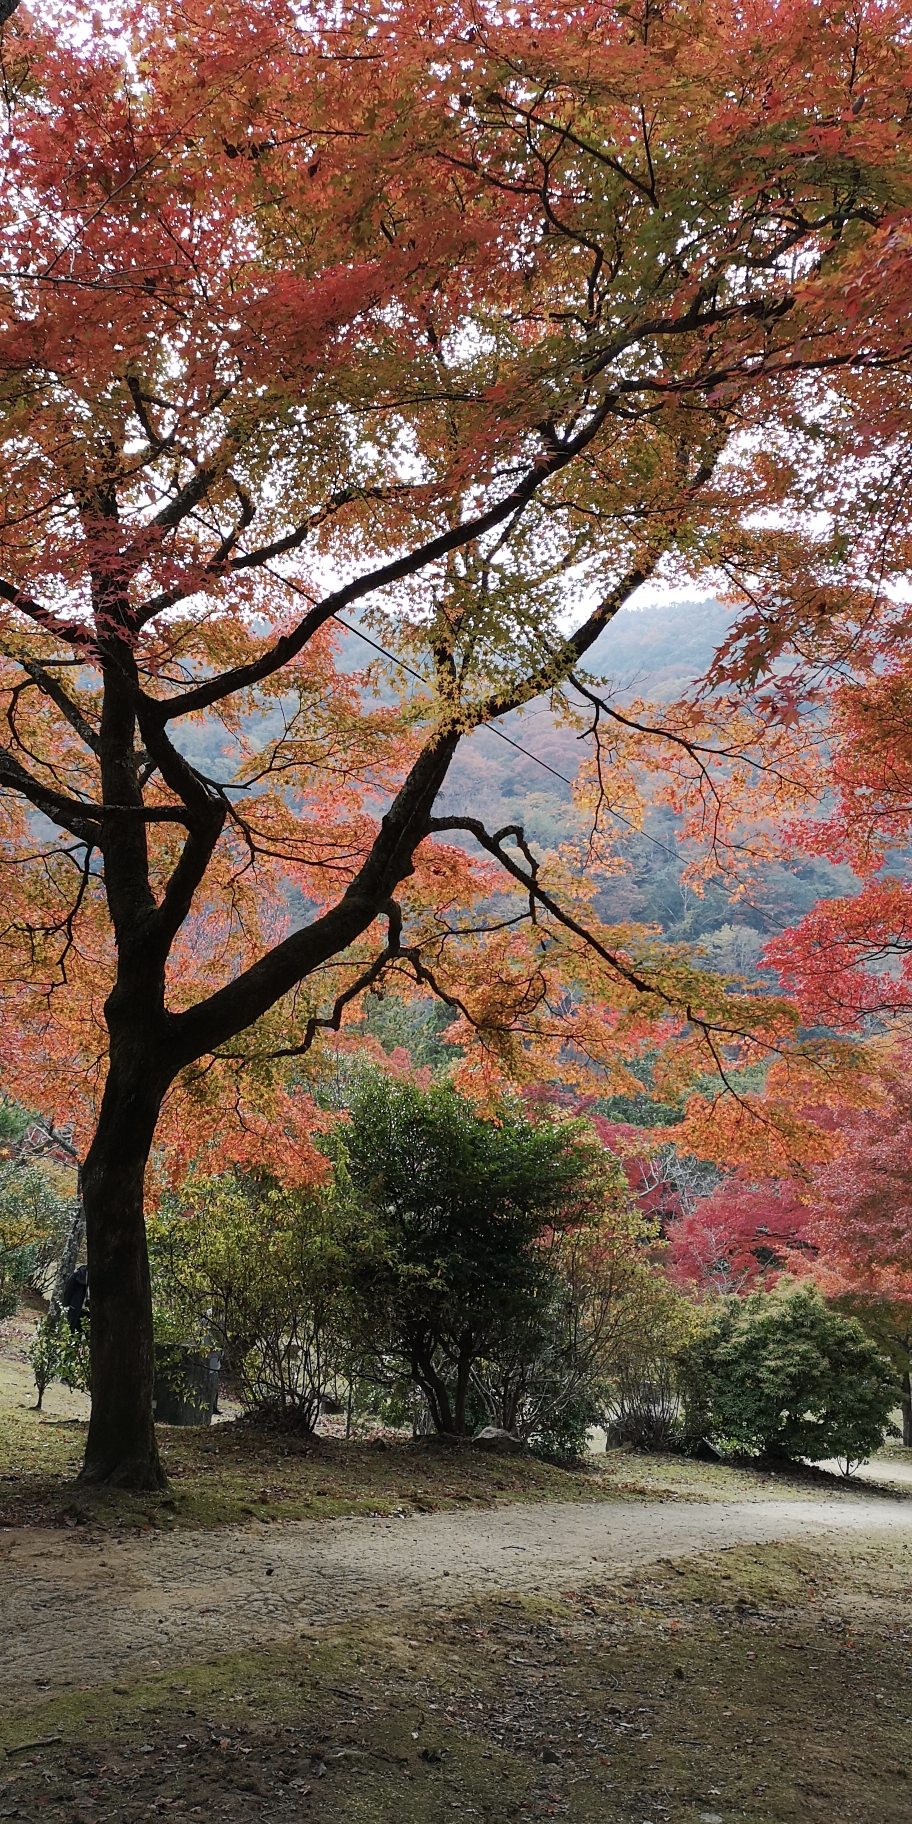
76, 1610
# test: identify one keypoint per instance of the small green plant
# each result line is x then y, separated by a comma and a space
564, 1435
33, 1220
58, 1353
786, 1375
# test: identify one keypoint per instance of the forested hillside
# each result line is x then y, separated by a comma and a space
658, 650
524, 773
654, 652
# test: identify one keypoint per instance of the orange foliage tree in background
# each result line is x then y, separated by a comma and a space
466, 324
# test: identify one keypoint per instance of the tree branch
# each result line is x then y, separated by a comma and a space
82, 820
73, 632
493, 844
466, 533
263, 554
68, 709
333, 1021
238, 1004
712, 1032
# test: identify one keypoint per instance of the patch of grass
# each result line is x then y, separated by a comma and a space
235, 1474
36, 1451
665, 1476
764, 1684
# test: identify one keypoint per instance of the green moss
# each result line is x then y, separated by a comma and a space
231, 1474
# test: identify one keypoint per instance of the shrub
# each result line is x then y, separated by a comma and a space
458, 1225
563, 1432
552, 1378
784, 1374
256, 1272
58, 1353
644, 1403
888, 1321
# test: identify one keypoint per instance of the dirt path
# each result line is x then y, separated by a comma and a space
75, 1610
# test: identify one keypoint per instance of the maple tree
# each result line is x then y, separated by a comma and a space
851, 957
838, 645
466, 323
862, 1218
843, 1221
741, 1236
861, 1221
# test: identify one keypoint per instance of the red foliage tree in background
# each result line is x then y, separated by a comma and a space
453, 321
845, 1220
744, 1234
861, 1221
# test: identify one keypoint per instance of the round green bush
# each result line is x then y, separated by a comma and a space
783, 1374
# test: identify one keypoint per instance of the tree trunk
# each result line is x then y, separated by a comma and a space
906, 1404
148, 1045
464, 1361
512, 1397
121, 1447
434, 1390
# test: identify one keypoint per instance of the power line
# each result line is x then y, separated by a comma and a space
526, 751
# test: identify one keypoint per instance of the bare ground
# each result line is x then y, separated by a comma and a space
83, 1608
763, 1683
